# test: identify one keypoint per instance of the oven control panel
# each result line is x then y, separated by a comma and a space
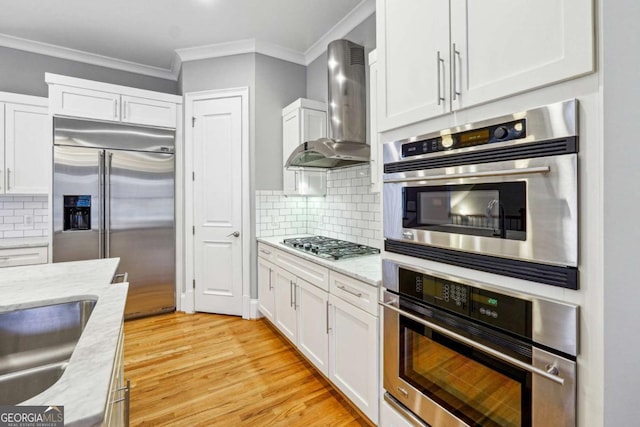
502, 311
509, 131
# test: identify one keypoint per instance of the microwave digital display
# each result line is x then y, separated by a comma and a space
475, 137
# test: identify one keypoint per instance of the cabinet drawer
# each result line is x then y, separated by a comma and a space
307, 270
23, 256
266, 252
355, 292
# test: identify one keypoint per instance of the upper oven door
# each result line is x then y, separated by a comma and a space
524, 209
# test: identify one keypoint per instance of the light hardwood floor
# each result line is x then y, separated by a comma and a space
212, 370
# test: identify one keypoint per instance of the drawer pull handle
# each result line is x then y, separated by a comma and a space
264, 251
349, 291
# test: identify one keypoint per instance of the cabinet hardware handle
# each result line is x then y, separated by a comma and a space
471, 343
349, 291
328, 328
124, 109
5, 258
115, 109
264, 251
124, 276
454, 64
290, 293
521, 171
440, 63
8, 179
270, 285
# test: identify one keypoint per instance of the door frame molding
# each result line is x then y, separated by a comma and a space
186, 300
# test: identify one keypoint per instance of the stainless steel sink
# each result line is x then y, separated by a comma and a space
35, 347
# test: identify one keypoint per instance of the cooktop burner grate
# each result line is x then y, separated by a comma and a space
328, 248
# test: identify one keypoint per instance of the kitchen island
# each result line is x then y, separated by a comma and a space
84, 388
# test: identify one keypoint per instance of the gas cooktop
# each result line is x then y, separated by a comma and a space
328, 248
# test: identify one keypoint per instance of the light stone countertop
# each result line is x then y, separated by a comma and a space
83, 389
26, 242
367, 268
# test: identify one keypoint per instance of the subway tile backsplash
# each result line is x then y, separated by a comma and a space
349, 211
23, 216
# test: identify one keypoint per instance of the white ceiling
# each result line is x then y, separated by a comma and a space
145, 35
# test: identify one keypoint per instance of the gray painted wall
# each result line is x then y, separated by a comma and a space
23, 72
278, 83
621, 199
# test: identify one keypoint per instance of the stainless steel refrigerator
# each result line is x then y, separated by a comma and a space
113, 196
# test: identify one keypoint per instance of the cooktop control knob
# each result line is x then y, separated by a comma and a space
500, 132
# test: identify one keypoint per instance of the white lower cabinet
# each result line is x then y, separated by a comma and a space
266, 288
353, 354
285, 309
331, 318
313, 326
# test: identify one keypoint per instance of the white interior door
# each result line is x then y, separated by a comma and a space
217, 204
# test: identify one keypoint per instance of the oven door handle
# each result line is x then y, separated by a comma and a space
519, 171
477, 346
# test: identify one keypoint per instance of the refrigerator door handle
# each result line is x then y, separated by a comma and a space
101, 204
107, 202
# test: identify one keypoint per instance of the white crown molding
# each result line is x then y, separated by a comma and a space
362, 11
85, 57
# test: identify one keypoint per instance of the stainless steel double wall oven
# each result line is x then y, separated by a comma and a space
498, 196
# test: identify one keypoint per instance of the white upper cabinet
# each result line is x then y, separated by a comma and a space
303, 120
413, 61
73, 97
503, 48
443, 55
25, 144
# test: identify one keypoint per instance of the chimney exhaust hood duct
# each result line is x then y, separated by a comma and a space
346, 145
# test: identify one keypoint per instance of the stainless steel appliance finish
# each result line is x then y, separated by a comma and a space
36, 345
502, 192
431, 351
129, 193
550, 122
329, 248
346, 145
551, 200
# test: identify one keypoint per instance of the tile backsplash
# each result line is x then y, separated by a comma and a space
349, 211
23, 216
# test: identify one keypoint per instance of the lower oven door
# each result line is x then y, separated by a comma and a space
447, 382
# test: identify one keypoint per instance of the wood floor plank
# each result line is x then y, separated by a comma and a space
213, 370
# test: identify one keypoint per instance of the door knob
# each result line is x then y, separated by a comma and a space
234, 234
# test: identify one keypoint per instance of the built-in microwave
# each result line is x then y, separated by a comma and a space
498, 196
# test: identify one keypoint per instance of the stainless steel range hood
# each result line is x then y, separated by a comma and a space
346, 145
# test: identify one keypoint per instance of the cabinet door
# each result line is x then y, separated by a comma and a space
266, 293
313, 326
285, 306
413, 60
313, 125
77, 102
548, 41
353, 355
28, 145
148, 112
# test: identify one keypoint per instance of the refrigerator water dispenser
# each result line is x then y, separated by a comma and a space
77, 212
